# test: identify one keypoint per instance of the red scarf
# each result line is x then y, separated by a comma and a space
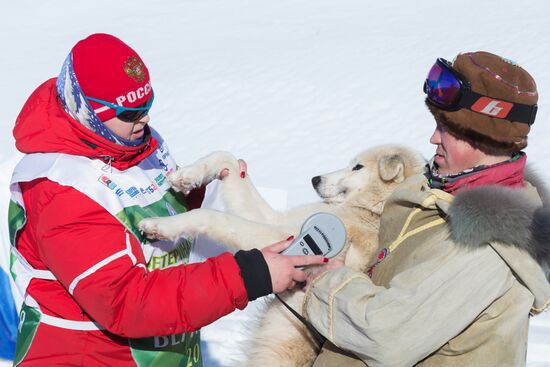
509, 174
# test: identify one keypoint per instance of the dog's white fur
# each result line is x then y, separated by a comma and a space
356, 194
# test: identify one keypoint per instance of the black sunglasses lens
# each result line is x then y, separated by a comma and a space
132, 115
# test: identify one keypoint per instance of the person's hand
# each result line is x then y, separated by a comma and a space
317, 271
282, 268
242, 170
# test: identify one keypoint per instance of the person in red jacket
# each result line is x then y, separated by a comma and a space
96, 291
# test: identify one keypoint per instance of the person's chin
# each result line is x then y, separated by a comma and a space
440, 162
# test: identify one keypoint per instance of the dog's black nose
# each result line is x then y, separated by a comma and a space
315, 181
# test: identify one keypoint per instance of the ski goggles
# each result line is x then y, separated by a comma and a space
128, 114
450, 91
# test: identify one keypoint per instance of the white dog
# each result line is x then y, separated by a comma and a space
355, 194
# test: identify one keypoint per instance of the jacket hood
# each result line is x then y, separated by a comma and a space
515, 222
43, 126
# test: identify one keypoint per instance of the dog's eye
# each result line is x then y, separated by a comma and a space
357, 167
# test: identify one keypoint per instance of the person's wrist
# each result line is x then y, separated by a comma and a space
255, 273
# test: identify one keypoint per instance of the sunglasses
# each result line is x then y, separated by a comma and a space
128, 114
450, 91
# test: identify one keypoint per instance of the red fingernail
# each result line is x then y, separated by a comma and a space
290, 238
243, 174
325, 259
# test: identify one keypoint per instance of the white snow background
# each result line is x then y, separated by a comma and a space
295, 87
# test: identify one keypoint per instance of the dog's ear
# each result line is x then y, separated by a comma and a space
392, 168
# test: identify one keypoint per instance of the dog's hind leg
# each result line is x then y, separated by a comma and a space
218, 226
281, 339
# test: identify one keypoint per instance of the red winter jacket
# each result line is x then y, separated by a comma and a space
67, 233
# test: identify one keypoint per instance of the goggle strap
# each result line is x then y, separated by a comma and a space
518, 113
523, 113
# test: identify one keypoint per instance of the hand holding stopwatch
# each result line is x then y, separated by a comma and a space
321, 234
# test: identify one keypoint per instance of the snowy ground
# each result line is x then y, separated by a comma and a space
296, 87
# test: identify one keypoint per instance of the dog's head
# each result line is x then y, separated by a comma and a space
370, 178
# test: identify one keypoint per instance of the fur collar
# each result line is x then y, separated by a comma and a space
511, 216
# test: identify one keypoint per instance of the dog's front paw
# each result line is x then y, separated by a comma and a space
159, 228
187, 178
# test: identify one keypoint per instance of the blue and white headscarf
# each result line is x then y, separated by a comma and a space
76, 105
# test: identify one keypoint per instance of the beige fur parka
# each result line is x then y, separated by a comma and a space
462, 277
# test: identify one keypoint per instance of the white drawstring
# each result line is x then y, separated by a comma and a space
108, 167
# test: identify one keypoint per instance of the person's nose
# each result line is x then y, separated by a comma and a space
145, 119
435, 139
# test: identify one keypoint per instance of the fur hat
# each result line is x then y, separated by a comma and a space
495, 77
